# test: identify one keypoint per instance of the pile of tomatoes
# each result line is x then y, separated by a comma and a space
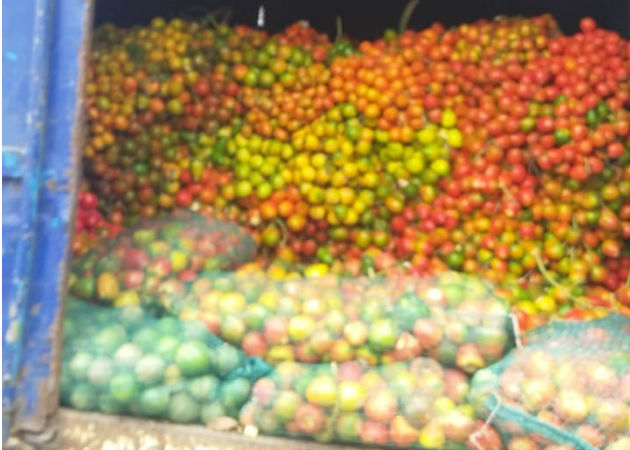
90, 226
494, 148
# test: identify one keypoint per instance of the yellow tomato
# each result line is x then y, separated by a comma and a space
346, 195
317, 212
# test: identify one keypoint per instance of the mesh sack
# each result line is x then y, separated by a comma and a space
567, 388
417, 403
452, 318
155, 252
123, 361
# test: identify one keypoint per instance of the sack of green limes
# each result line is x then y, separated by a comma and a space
124, 361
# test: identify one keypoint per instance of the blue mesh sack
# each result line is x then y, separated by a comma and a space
124, 361
567, 387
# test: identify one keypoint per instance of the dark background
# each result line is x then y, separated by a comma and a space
366, 19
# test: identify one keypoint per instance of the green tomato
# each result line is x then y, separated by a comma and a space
243, 188
455, 260
561, 136
264, 191
175, 107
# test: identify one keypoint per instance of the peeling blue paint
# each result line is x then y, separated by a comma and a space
39, 117
12, 162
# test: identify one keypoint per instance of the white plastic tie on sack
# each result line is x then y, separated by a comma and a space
473, 437
517, 331
260, 22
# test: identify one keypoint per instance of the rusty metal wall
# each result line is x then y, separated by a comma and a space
45, 44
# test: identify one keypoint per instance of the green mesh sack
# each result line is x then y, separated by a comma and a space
123, 361
156, 253
417, 403
452, 318
566, 388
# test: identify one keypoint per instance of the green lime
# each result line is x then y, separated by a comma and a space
166, 347
225, 358
127, 355
83, 397
100, 371
107, 404
123, 387
234, 393
109, 339
195, 330
211, 411
183, 408
79, 365
193, 358
145, 338
204, 388
168, 326
154, 401
150, 369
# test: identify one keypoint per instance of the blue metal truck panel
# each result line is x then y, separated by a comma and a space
44, 51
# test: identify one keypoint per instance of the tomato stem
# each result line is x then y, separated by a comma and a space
507, 192
406, 15
339, 27
211, 17
550, 280
283, 230
213, 20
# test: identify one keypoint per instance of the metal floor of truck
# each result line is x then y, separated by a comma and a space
80, 430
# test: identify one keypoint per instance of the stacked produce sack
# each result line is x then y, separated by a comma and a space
453, 318
125, 361
567, 388
158, 254
133, 359
417, 403
373, 360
